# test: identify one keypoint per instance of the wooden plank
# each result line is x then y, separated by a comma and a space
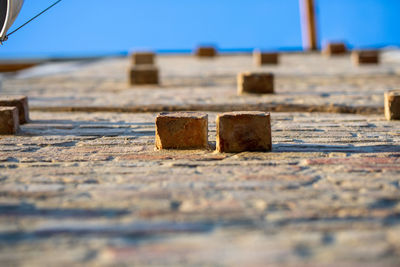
15, 66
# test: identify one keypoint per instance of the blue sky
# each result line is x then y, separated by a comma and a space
92, 27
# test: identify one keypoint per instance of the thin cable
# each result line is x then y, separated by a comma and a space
35, 17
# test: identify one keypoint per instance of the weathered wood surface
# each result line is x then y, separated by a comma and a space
303, 82
90, 189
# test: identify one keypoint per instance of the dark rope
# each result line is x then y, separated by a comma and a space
29, 21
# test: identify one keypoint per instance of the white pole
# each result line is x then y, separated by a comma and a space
11, 13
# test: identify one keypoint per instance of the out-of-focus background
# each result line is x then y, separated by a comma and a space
81, 184
98, 27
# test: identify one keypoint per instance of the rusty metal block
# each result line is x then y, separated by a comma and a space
9, 121
244, 131
255, 83
182, 130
